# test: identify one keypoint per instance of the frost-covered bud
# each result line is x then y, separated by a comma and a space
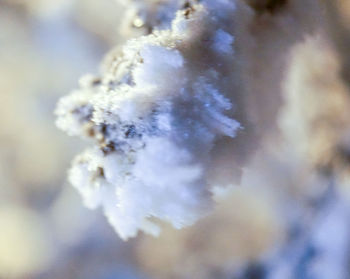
163, 103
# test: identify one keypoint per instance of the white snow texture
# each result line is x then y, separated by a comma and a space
155, 114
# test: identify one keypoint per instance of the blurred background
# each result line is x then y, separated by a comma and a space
288, 219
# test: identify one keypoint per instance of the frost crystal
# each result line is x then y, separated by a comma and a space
156, 112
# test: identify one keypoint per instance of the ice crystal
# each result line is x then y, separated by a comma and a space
159, 107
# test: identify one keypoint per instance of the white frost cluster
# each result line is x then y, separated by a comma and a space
156, 113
